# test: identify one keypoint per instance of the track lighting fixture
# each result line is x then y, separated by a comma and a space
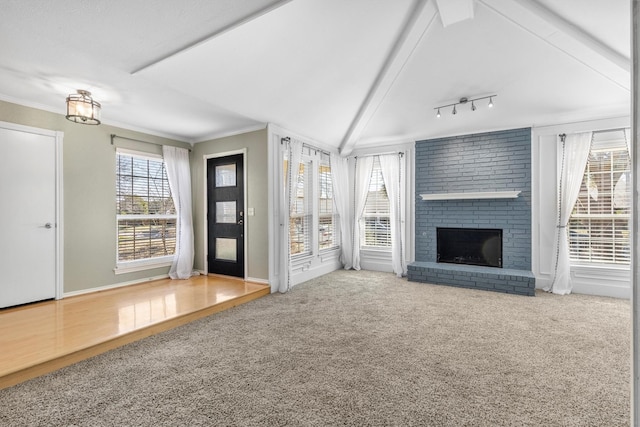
463, 101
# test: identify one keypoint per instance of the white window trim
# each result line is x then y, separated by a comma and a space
362, 224
139, 154
544, 216
124, 267
314, 161
583, 263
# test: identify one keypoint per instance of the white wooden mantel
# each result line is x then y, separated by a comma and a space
472, 195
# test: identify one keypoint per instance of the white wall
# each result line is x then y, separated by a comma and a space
90, 231
596, 280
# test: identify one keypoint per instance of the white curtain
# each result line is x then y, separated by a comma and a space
627, 140
177, 165
573, 154
340, 175
364, 165
390, 166
294, 154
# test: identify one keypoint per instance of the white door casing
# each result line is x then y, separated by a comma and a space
30, 225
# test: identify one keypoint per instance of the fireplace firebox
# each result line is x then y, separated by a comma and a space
472, 246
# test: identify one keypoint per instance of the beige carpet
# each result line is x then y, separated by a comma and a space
357, 348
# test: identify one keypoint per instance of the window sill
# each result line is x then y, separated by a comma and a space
375, 249
596, 266
133, 266
329, 250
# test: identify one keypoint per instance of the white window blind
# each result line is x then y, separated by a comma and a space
145, 212
328, 228
375, 221
300, 217
599, 224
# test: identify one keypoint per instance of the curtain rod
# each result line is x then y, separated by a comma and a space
623, 129
399, 153
114, 136
304, 144
316, 149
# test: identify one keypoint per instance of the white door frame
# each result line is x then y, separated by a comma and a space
59, 217
205, 249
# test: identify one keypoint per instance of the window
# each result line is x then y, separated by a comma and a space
313, 211
328, 217
375, 222
145, 211
300, 215
599, 224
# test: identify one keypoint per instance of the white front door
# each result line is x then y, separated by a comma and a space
28, 215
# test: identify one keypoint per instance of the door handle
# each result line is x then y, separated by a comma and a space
47, 225
240, 222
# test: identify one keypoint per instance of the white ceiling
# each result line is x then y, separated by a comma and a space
348, 73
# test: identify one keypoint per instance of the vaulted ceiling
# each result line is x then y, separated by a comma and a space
348, 73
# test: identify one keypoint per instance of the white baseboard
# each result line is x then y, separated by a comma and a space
376, 260
384, 267
593, 280
254, 280
304, 274
623, 292
114, 286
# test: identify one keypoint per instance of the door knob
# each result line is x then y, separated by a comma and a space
47, 225
240, 222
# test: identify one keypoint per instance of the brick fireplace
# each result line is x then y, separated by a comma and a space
479, 181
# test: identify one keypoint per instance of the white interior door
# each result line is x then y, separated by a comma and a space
28, 216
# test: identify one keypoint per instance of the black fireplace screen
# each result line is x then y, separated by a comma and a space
473, 246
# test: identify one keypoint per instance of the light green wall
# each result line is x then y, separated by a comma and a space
89, 195
257, 255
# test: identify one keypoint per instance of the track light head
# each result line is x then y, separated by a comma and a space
438, 113
490, 101
454, 110
473, 106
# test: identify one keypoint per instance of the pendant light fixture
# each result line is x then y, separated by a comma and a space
81, 108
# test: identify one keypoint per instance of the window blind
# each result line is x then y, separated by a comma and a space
599, 224
328, 227
300, 217
376, 217
145, 212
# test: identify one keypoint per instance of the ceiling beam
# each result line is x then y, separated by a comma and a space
567, 37
452, 11
577, 33
215, 34
419, 20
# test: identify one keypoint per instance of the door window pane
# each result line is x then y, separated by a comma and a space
226, 212
226, 249
226, 175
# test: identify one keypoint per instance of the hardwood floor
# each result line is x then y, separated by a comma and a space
39, 338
